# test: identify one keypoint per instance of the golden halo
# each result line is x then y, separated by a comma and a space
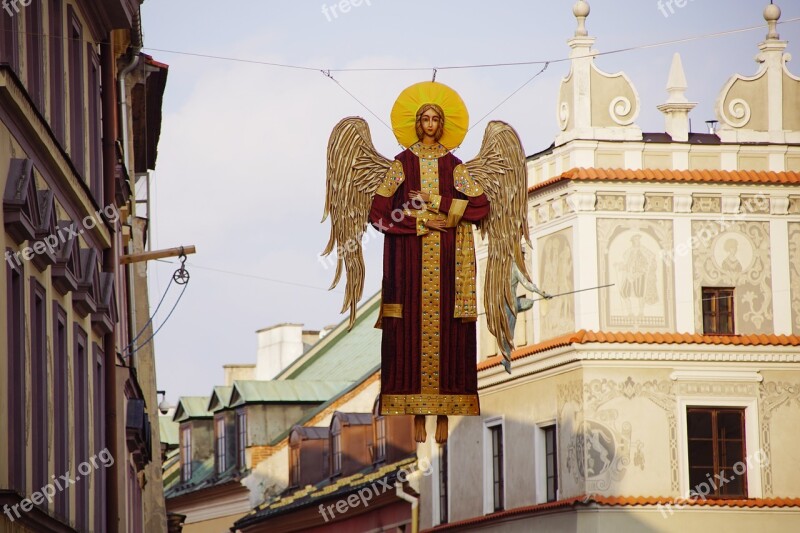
404, 113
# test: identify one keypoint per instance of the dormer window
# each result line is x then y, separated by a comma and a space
221, 445
294, 460
336, 447
186, 453
380, 439
241, 439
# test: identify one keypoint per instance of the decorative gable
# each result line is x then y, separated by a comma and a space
84, 299
106, 316
45, 231
66, 268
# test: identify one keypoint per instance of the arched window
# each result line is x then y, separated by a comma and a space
294, 459
379, 434
336, 446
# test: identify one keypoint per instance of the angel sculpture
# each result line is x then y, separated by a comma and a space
426, 202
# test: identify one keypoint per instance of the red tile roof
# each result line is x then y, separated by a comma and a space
689, 176
583, 337
617, 501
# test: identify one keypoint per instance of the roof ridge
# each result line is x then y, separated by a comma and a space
630, 337
761, 177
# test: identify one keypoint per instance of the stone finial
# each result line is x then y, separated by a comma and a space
581, 11
772, 15
676, 110
676, 84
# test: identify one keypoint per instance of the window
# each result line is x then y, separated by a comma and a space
9, 43
60, 408
39, 395
551, 462
496, 433
57, 70
95, 139
186, 453
294, 465
34, 43
16, 371
443, 483
718, 311
380, 439
135, 517
241, 439
222, 445
99, 437
716, 444
336, 447
76, 119
80, 407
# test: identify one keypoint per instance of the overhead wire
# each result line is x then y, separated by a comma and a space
253, 276
467, 66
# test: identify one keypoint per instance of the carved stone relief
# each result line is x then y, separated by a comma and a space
610, 202
658, 204
707, 204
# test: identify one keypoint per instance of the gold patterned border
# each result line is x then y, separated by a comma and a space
431, 259
430, 404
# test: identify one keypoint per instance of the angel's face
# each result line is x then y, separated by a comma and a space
430, 124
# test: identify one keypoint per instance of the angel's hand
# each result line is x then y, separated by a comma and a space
420, 197
437, 225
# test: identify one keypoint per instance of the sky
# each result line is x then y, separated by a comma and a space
241, 160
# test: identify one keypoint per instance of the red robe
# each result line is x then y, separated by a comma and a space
427, 357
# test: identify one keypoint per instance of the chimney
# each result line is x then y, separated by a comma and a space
278, 347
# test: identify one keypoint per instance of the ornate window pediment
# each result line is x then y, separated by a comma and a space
20, 202
67, 268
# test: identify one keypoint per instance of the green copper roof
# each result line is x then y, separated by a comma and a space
342, 355
192, 407
220, 399
284, 391
168, 430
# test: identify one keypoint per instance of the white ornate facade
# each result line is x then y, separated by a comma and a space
622, 372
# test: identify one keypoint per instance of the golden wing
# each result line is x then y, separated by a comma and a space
500, 169
355, 170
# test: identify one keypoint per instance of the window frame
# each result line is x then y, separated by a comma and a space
752, 434
294, 465
490, 427
380, 439
39, 384
443, 484
336, 447
61, 409
241, 439
540, 461
56, 66
186, 453
716, 448
34, 45
77, 84
80, 426
712, 295
9, 40
220, 445
16, 395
